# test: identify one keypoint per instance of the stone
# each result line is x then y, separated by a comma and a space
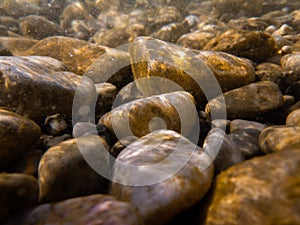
293, 118
291, 62
255, 45
159, 201
122, 144
173, 111
27, 80
17, 46
4, 51
195, 40
38, 27
252, 23
10, 23
93, 209
283, 30
294, 91
263, 190
222, 150
74, 11
247, 142
55, 125
18, 135
238, 7
17, 191
118, 35
76, 54
248, 101
236, 125
113, 67
48, 141
279, 138
171, 32
273, 72
187, 69
64, 173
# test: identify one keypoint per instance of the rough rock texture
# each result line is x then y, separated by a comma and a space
17, 191
93, 209
248, 101
261, 191
160, 201
64, 173
17, 45
255, 45
18, 135
279, 138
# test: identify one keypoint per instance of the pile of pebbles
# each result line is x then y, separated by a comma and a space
206, 91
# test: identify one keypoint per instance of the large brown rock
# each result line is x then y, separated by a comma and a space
263, 191
17, 46
76, 54
18, 135
255, 45
168, 188
64, 173
93, 209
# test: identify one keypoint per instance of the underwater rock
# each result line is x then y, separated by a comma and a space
279, 138
173, 111
18, 135
55, 125
293, 118
38, 27
255, 45
248, 101
64, 173
258, 191
93, 209
158, 201
236, 125
76, 54
17, 46
17, 191
19, 8
291, 62
195, 40
222, 150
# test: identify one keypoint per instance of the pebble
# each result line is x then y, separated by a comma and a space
291, 62
195, 40
63, 167
222, 150
18, 191
173, 195
93, 209
258, 191
279, 138
248, 101
255, 45
18, 135
236, 125
293, 118
55, 125
17, 46
294, 90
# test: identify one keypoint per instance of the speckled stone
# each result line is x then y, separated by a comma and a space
255, 45
18, 135
160, 201
55, 125
248, 101
17, 191
195, 40
291, 62
27, 80
183, 67
76, 54
262, 191
293, 118
236, 125
173, 111
222, 150
279, 138
64, 173
93, 209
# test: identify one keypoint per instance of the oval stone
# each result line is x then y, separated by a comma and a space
278, 138
158, 202
18, 134
248, 101
293, 118
64, 173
